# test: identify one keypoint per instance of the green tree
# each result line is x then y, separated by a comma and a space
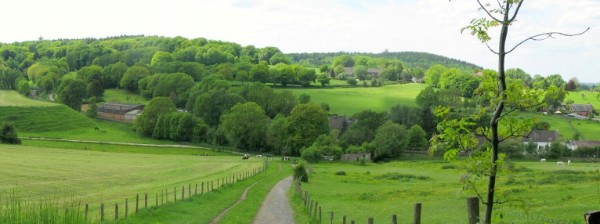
211, 105
306, 123
323, 79
517, 73
390, 140
343, 60
8, 134
245, 126
71, 92
279, 58
433, 75
360, 72
23, 87
132, 76
112, 74
260, 72
92, 111
504, 16
277, 135
417, 138
146, 122
554, 97
161, 57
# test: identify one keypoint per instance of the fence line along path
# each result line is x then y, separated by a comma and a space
276, 207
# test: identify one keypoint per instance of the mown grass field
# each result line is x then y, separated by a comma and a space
105, 177
349, 101
123, 96
13, 98
537, 192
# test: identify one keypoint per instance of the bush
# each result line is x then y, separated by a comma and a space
340, 173
300, 172
8, 134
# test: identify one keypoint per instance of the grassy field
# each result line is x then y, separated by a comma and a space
204, 208
538, 192
14, 99
348, 101
94, 177
584, 97
569, 126
123, 96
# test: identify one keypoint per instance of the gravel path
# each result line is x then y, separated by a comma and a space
276, 207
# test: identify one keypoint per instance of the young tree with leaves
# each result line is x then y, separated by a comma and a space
458, 133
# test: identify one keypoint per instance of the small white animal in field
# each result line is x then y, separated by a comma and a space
569, 162
542, 160
258, 156
560, 163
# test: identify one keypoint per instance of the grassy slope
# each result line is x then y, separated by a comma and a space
348, 101
362, 193
13, 98
584, 97
587, 129
107, 177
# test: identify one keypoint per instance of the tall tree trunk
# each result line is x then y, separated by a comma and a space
496, 117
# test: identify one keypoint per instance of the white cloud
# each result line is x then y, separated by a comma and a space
326, 25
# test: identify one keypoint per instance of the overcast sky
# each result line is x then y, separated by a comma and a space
327, 26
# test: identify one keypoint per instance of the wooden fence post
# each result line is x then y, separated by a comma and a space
116, 211
166, 195
352, 222
320, 217
310, 207
196, 190
344, 220
175, 194
189, 191
126, 207
394, 219
86, 212
331, 218
137, 201
101, 212
370, 220
473, 207
202, 192
182, 193
316, 208
212, 186
417, 219
156, 197
146, 200
162, 197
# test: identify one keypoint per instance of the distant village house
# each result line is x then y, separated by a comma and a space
582, 109
541, 138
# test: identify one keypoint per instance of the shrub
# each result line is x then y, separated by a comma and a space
8, 134
300, 172
340, 173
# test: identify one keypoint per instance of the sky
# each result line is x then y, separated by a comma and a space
293, 26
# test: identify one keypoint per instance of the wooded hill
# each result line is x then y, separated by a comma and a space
412, 59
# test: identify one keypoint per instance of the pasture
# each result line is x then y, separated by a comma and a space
123, 96
14, 99
94, 177
535, 192
567, 127
349, 101
584, 97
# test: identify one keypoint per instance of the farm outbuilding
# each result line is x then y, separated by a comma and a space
356, 156
117, 111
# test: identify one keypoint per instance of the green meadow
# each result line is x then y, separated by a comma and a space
105, 177
568, 126
349, 101
123, 96
532, 192
584, 97
13, 98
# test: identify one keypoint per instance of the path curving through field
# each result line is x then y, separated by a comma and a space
242, 197
276, 206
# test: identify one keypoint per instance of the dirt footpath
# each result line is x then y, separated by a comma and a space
276, 207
